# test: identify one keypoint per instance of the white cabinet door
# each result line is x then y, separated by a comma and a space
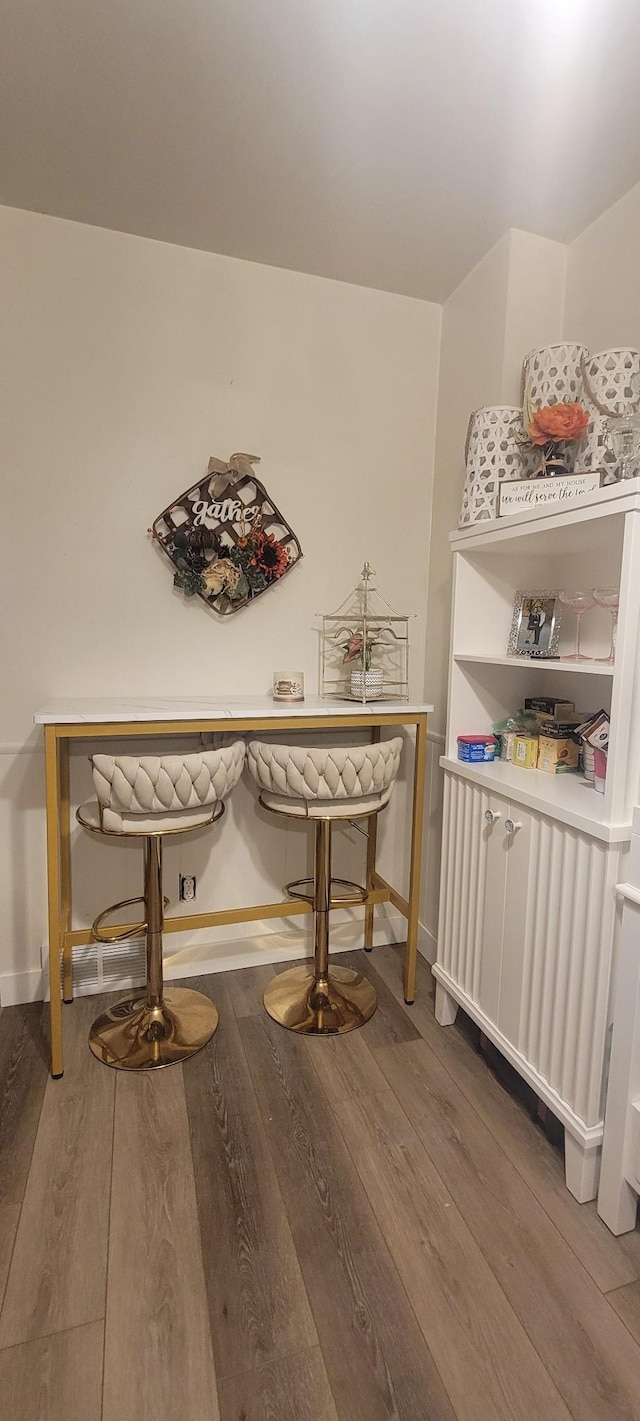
525, 941
472, 889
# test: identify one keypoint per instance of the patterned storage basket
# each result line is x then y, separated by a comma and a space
552, 375
612, 381
492, 454
611, 388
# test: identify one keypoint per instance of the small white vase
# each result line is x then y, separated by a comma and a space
367, 685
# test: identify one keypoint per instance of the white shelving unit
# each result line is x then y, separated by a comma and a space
530, 861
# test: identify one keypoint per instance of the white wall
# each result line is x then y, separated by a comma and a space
510, 302
602, 305
126, 363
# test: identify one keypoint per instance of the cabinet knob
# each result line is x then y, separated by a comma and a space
491, 816
511, 826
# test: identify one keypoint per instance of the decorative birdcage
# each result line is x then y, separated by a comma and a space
365, 648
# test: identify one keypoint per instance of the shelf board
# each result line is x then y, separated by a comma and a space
584, 668
616, 498
566, 797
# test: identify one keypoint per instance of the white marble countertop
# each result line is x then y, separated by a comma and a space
129, 710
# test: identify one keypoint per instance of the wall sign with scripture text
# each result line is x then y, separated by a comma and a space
518, 494
225, 537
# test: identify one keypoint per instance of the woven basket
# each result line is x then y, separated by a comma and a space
493, 454
552, 375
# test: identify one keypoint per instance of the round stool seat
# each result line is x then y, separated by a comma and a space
92, 815
324, 785
360, 805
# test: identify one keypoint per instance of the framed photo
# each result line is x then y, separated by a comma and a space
535, 628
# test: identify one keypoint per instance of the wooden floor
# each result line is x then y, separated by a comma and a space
299, 1230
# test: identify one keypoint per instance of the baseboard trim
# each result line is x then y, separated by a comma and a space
427, 943
191, 958
17, 987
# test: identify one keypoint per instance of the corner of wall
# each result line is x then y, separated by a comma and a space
535, 303
602, 306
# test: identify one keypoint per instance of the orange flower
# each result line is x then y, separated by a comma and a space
269, 556
557, 422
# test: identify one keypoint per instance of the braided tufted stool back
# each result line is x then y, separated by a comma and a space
339, 782
146, 797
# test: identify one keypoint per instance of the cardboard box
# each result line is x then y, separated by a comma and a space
558, 748
524, 751
549, 707
596, 733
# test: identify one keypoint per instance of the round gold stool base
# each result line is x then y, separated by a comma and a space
349, 1001
134, 1037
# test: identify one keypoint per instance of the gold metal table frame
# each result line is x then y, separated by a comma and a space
62, 938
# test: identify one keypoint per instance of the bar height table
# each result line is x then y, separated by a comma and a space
106, 719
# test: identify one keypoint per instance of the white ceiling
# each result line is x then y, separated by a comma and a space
385, 142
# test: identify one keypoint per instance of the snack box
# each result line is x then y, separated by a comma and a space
475, 748
558, 750
596, 733
547, 708
524, 751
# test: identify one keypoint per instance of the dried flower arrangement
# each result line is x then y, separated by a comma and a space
551, 427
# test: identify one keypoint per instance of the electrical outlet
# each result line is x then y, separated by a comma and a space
187, 887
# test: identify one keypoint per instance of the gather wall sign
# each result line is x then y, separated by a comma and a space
225, 537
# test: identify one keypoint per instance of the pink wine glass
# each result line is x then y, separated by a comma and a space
609, 598
578, 602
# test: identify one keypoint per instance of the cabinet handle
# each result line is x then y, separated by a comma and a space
511, 826
491, 816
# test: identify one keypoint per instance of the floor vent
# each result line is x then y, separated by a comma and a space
108, 968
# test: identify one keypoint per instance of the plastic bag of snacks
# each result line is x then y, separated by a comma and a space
524, 723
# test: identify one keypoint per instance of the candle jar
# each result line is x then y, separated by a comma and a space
288, 685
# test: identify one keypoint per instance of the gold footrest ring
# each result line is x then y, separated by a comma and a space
296, 1000
352, 895
132, 1036
112, 934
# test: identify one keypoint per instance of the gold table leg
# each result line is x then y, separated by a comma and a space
416, 860
52, 800
372, 841
65, 870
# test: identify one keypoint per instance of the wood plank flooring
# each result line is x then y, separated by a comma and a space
363, 1229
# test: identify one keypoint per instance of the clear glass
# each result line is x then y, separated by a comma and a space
624, 437
578, 602
609, 598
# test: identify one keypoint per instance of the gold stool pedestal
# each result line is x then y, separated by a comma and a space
133, 1036
302, 1002
156, 1027
318, 1000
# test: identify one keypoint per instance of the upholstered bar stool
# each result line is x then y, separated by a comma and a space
147, 797
344, 782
